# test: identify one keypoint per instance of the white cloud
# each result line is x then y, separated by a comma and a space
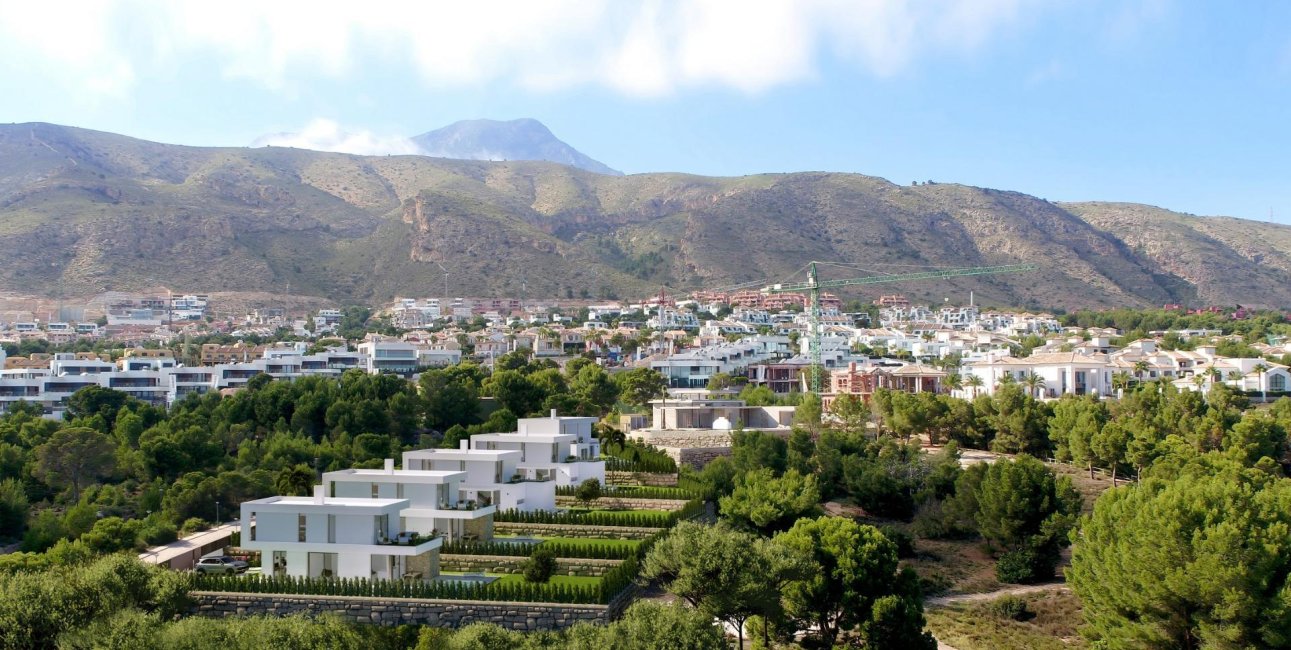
327, 135
648, 47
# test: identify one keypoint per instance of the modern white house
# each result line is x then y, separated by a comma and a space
435, 503
492, 477
1064, 373
556, 448
323, 536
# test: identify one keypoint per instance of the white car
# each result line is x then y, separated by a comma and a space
220, 564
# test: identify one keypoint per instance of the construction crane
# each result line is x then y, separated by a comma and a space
814, 284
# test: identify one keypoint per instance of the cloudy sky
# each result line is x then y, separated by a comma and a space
1181, 104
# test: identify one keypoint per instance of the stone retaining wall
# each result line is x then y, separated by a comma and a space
572, 530
413, 611
640, 478
625, 503
696, 457
515, 564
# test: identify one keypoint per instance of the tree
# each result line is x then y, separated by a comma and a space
851, 412
1110, 446
640, 385
1263, 370
73, 456
1019, 420
1023, 509
1195, 562
854, 567
594, 388
807, 414
654, 626
96, 400
13, 509
1076, 421
1034, 383
766, 504
755, 449
515, 392
975, 382
588, 491
728, 574
294, 481
541, 565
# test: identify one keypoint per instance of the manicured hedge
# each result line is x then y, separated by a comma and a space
632, 518
590, 551
635, 492
610, 585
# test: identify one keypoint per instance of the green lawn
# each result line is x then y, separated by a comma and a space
570, 581
587, 510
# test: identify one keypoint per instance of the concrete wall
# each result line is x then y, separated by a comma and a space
563, 530
397, 611
508, 564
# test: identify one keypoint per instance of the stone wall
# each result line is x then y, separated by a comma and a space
568, 530
515, 564
696, 457
640, 478
413, 611
625, 503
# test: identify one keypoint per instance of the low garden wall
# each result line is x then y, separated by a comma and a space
573, 530
400, 611
515, 564
696, 457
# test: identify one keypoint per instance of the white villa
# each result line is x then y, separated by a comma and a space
323, 536
491, 477
557, 448
1063, 373
435, 503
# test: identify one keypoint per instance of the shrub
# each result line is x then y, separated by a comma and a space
193, 525
588, 491
902, 539
1023, 566
541, 565
1010, 608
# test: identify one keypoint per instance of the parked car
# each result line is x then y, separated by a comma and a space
220, 564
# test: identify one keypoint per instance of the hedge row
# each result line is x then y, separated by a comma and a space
648, 465
610, 585
635, 492
561, 549
632, 518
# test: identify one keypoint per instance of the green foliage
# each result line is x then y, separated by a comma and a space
753, 450
854, 569
1011, 608
631, 456
74, 456
728, 574
13, 509
541, 565
1023, 510
640, 385
588, 491
631, 518
591, 550
680, 493
1194, 561
764, 503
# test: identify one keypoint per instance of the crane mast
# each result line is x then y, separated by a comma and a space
813, 285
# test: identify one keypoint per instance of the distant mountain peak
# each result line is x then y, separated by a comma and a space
520, 139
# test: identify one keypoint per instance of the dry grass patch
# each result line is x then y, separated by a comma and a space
1052, 623
954, 567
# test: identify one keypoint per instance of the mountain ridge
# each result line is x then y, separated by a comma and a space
498, 140
85, 211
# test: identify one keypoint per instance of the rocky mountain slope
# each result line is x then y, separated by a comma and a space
523, 139
84, 211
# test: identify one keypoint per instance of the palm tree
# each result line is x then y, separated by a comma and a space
954, 381
1215, 375
1236, 377
1121, 381
1199, 381
1141, 366
1263, 369
975, 382
1034, 384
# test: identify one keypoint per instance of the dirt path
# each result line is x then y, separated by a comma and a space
942, 601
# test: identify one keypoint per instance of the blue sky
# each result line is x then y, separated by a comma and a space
1180, 104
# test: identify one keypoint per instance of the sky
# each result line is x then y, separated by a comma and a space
1185, 105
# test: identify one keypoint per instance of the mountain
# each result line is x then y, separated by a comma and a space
523, 139
84, 211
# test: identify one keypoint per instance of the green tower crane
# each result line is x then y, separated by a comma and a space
814, 284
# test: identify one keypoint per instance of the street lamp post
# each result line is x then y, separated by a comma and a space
217, 513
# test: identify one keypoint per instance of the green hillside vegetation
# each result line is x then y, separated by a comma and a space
111, 212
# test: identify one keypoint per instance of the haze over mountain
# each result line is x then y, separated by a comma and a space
83, 211
522, 139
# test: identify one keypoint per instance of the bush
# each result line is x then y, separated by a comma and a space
1010, 608
193, 525
588, 491
591, 551
1026, 565
902, 539
630, 518
541, 565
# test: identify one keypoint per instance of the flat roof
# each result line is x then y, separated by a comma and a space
397, 476
462, 454
504, 437
345, 502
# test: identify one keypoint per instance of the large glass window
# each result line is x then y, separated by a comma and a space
300, 528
